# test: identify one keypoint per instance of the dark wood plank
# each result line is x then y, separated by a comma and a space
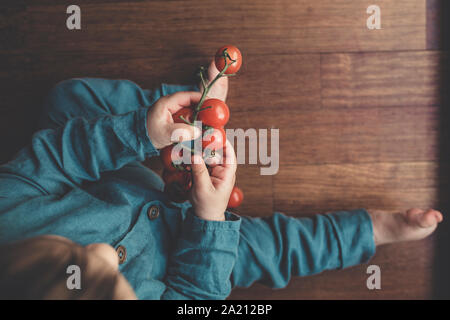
177, 28
146, 72
14, 79
381, 79
311, 189
67, 3
297, 77
258, 195
13, 26
16, 128
349, 135
20, 103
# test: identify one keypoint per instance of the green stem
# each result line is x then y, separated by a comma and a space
184, 119
178, 167
202, 76
208, 107
208, 87
187, 148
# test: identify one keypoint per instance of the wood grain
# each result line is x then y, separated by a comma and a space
258, 194
307, 189
13, 27
252, 89
380, 79
177, 28
349, 135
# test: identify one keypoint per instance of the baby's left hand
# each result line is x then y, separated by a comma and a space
160, 124
210, 193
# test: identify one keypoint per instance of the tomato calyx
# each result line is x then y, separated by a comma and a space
225, 54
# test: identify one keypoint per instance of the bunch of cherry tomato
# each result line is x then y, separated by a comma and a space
214, 115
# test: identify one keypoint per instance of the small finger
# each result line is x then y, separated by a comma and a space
229, 156
178, 100
180, 132
200, 173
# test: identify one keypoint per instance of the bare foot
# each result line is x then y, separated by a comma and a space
414, 224
220, 88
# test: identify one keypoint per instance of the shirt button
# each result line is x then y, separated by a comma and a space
122, 253
153, 212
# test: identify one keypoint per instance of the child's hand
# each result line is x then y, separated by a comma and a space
210, 194
160, 123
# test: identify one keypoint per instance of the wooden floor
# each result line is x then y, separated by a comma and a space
358, 109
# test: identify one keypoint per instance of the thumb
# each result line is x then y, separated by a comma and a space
200, 173
183, 132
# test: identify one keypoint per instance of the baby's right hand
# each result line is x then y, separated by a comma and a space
210, 194
160, 124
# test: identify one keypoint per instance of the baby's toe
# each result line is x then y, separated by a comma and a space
438, 215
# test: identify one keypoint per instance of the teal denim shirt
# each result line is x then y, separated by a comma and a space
81, 177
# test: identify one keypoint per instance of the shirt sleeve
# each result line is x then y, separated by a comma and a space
204, 257
58, 159
274, 249
93, 97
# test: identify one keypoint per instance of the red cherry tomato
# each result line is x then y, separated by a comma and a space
174, 194
234, 54
214, 139
182, 178
177, 185
166, 157
186, 113
236, 198
216, 113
